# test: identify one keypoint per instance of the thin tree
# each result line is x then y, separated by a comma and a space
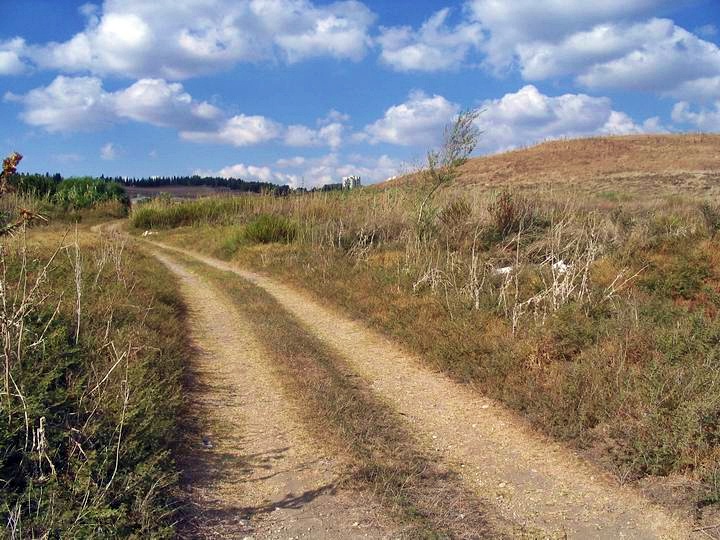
460, 140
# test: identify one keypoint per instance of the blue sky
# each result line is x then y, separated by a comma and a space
299, 90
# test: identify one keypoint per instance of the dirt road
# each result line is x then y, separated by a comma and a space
250, 471
532, 480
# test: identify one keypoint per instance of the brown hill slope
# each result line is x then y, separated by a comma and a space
688, 163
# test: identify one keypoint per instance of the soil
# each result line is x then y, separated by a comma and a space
249, 469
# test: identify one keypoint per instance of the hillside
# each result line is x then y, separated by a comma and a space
662, 163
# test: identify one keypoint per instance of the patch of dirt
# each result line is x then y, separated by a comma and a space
249, 470
533, 480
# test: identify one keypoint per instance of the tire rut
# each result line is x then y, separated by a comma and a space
532, 480
249, 469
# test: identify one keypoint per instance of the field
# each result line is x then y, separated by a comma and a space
527, 348
180, 192
591, 310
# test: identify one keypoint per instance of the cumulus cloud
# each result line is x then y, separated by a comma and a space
655, 55
312, 172
164, 39
70, 104
435, 46
250, 172
157, 102
509, 24
11, 62
330, 169
703, 119
418, 121
330, 132
659, 56
81, 104
528, 116
600, 45
707, 30
698, 90
240, 130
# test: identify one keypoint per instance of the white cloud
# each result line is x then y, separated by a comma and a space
578, 51
312, 172
109, 152
11, 62
81, 104
699, 90
707, 30
157, 102
528, 116
418, 121
240, 130
249, 172
328, 135
302, 30
67, 158
601, 45
510, 24
334, 116
171, 40
659, 56
434, 47
68, 104
704, 119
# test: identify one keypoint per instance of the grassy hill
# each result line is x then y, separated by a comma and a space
647, 164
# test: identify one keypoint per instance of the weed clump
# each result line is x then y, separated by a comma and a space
269, 229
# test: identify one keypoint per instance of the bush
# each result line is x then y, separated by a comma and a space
512, 213
87, 192
711, 216
268, 229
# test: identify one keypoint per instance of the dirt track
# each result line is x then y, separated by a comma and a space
249, 469
532, 480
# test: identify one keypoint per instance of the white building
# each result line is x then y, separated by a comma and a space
351, 182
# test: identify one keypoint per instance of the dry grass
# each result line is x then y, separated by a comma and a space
601, 330
634, 165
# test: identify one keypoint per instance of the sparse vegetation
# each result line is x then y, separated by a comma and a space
594, 319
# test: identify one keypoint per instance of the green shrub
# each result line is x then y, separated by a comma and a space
164, 213
90, 417
87, 192
269, 228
